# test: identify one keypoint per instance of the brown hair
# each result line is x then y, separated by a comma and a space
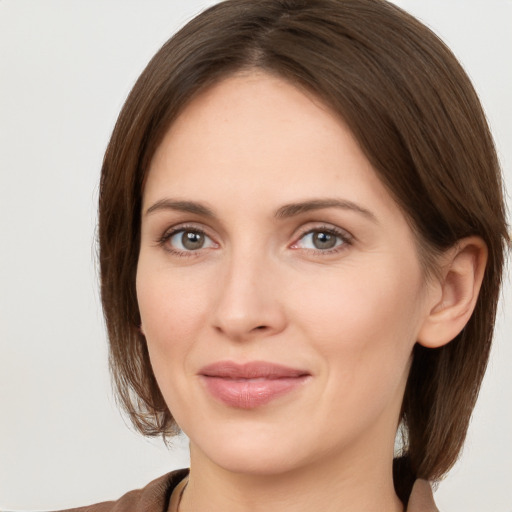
417, 118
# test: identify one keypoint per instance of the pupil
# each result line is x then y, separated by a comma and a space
192, 240
324, 240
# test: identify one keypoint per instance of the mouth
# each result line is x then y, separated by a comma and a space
250, 385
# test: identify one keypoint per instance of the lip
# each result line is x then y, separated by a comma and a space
250, 385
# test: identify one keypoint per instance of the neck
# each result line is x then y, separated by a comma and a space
330, 486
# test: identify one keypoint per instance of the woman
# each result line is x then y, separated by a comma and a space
301, 245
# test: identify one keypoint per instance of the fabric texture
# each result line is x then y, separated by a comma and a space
156, 495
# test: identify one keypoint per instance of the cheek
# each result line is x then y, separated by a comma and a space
364, 324
173, 310
362, 301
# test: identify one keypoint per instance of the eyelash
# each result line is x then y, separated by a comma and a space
346, 240
344, 236
162, 241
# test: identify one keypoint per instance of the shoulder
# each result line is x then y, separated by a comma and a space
154, 497
422, 499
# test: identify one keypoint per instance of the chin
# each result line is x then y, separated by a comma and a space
251, 453
255, 462
264, 449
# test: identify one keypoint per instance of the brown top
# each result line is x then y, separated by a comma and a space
156, 496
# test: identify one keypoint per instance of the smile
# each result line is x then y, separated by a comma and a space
250, 385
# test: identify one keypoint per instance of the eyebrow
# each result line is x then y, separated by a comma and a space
293, 209
181, 206
284, 212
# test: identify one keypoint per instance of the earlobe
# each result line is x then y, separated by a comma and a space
459, 285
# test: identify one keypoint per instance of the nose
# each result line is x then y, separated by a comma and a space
249, 301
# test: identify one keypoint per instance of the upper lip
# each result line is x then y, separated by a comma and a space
250, 370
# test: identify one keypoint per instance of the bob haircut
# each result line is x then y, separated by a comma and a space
418, 120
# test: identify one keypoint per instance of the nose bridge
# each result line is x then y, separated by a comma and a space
247, 296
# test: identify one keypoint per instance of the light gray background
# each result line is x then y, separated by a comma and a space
66, 67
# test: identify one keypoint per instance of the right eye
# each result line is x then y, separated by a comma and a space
187, 240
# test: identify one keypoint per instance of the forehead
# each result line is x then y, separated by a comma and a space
254, 136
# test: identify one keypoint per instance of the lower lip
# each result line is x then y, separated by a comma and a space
251, 393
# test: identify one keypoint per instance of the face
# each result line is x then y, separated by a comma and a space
279, 284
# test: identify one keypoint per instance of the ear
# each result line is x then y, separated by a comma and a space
456, 292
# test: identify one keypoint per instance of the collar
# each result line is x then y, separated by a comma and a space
155, 497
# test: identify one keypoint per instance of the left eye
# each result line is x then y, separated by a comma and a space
190, 240
320, 240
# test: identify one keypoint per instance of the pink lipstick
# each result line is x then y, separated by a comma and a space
249, 385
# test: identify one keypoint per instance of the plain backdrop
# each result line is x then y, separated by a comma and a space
66, 67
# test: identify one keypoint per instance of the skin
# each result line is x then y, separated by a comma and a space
259, 289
